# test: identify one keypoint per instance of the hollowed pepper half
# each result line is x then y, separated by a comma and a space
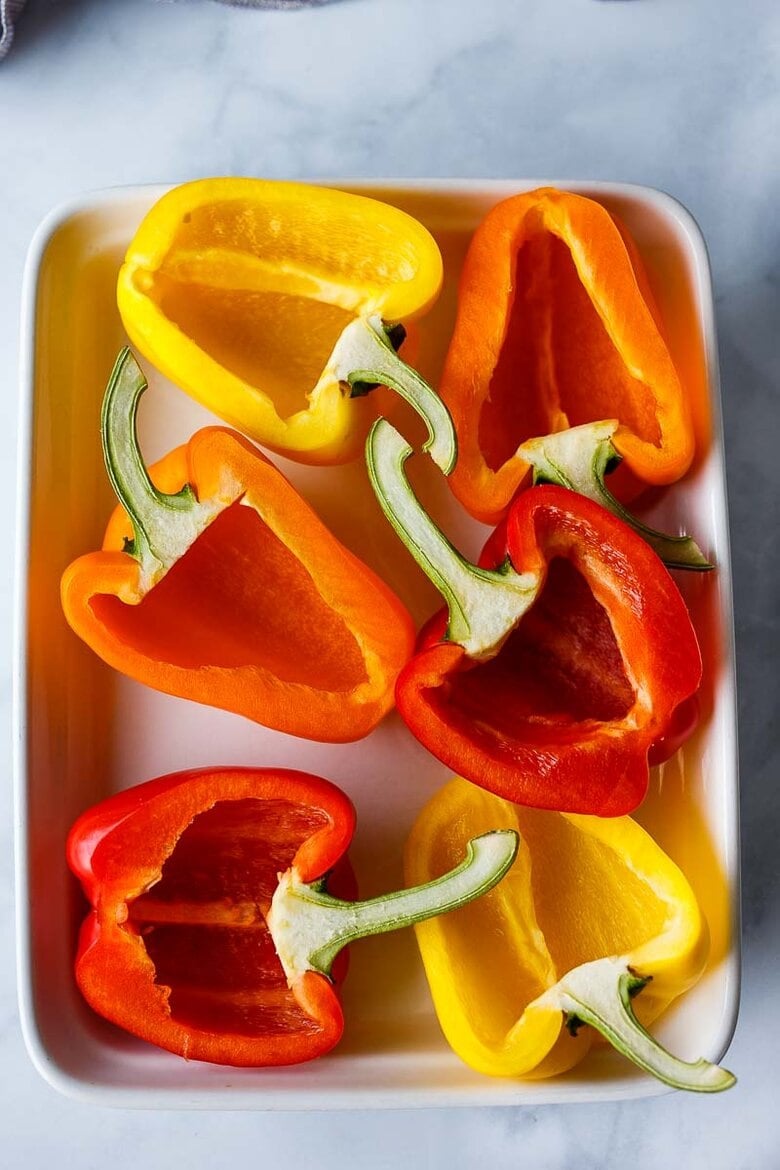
592, 919
211, 932
556, 327
218, 583
558, 663
274, 305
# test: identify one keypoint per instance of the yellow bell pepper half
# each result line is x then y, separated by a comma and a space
591, 912
266, 301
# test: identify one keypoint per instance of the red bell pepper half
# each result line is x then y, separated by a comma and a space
562, 658
211, 932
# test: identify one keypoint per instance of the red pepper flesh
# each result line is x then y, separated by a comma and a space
180, 873
563, 715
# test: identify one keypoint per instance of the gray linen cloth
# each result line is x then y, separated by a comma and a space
10, 9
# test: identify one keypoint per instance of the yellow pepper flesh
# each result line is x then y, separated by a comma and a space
583, 888
239, 289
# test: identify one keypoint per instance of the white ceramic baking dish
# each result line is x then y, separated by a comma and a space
82, 731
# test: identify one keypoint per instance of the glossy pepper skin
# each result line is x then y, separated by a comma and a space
561, 659
556, 327
220, 584
255, 296
211, 933
563, 716
179, 954
591, 913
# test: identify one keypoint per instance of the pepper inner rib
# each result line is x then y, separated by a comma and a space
239, 598
204, 922
560, 666
276, 342
556, 359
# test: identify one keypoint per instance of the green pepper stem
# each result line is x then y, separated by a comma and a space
599, 994
579, 458
309, 927
484, 604
364, 354
164, 526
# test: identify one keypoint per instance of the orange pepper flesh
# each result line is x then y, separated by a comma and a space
554, 329
227, 618
266, 614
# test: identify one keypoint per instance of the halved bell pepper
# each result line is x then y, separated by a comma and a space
218, 583
561, 659
211, 932
266, 301
591, 914
556, 327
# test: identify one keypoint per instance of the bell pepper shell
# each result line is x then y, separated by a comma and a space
351, 635
605, 357
238, 289
563, 715
581, 888
119, 851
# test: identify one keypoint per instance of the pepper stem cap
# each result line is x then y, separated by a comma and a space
309, 927
484, 604
164, 526
579, 458
599, 994
364, 355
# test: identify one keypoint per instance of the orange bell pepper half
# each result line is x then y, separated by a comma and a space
211, 931
556, 328
217, 582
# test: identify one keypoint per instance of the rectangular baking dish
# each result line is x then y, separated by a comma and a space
83, 732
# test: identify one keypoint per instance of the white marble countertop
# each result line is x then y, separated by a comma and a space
677, 94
